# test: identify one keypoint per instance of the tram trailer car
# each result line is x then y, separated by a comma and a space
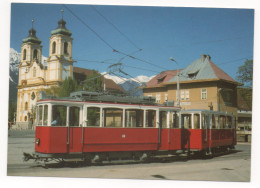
94, 129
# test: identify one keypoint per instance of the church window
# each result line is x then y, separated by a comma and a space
35, 54
24, 54
26, 106
65, 48
34, 72
54, 47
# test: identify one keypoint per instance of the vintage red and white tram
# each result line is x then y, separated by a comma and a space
94, 127
208, 131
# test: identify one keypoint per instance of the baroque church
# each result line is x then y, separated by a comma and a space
35, 75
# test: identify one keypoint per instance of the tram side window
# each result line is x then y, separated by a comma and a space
229, 122
163, 119
74, 116
150, 118
173, 120
196, 121
186, 121
45, 115
59, 115
213, 121
113, 117
134, 118
222, 121
93, 116
204, 121
40, 119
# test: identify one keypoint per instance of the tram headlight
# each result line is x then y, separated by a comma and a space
37, 141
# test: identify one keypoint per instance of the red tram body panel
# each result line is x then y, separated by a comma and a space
98, 127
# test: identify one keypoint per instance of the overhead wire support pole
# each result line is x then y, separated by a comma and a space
178, 83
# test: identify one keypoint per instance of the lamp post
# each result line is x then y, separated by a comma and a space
178, 82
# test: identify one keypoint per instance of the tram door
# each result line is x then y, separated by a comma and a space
75, 129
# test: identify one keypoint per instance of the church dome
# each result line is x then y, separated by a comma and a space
61, 29
32, 37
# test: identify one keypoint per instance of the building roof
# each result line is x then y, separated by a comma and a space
161, 78
203, 69
81, 73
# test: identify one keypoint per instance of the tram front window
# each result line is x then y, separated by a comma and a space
174, 123
40, 110
59, 114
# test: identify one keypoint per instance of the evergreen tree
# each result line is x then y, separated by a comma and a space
93, 82
68, 85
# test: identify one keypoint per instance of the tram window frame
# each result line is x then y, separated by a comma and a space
138, 115
174, 120
222, 121
58, 111
228, 122
198, 121
96, 116
184, 120
74, 121
213, 122
163, 119
40, 115
114, 123
150, 118
45, 115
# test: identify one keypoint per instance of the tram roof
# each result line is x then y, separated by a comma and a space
83, 96
204, 111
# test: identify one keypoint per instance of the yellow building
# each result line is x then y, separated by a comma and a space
35, 74
203, 85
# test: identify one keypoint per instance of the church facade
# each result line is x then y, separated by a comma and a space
36, 74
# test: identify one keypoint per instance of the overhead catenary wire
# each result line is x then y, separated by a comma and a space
95, 9
108, 44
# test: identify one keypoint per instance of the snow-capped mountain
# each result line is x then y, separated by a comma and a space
130, 85
14, 61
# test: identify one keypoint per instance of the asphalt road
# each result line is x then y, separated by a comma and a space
232, 167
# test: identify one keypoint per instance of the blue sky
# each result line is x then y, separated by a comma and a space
161, 32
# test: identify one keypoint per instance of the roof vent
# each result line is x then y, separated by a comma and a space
208, 57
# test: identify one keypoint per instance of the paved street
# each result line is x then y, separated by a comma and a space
231, 167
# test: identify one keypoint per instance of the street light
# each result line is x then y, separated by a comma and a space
178, 82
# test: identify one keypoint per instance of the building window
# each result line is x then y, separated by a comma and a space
34, 72
54, 47
166, 97
65, 48
203, 93
184, 94
187, 95
158, 98
35, 54
24, 54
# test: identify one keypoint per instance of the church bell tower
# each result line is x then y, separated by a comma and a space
60, 60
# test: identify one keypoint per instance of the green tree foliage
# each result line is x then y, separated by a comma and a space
93, 82
245, 73
54, 90
11, 110
68, 85
246, 94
